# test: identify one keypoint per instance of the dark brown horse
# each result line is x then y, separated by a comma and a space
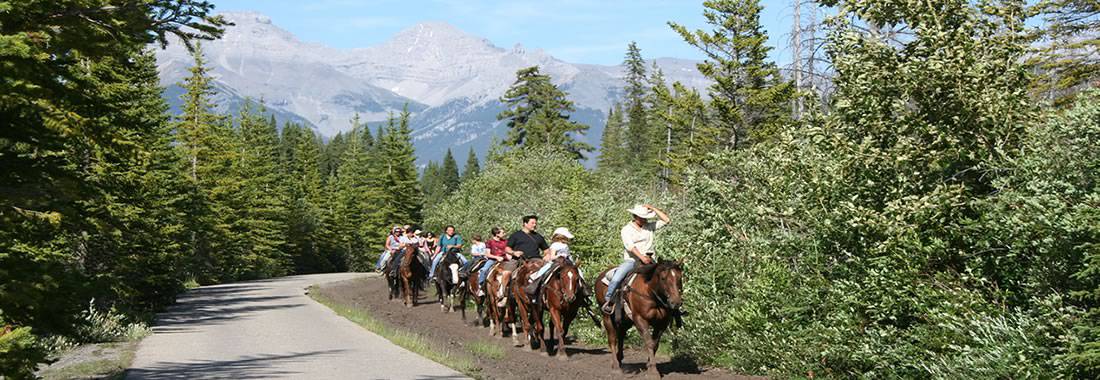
499, 316
654, 300
529, 311
563, 297
412, 274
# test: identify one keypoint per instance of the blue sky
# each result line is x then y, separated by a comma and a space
579, 31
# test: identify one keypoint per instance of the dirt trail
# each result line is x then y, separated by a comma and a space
450, 331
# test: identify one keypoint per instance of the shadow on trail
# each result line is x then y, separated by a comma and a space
204, 309
261, 366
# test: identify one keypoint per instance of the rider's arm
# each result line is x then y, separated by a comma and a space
639, 256
660, 214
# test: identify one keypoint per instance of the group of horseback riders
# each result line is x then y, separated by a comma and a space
526, 254
525, 244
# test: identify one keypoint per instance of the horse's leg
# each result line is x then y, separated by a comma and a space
648, 334
556, 324
614, 343
521, 313
407, 288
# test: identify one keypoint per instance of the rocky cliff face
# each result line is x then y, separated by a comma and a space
450, 80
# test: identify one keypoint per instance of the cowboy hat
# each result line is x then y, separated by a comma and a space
642, 212
563, 232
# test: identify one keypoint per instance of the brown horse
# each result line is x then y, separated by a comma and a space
563, 297
529, 310
412, 274
654, 300
499, 316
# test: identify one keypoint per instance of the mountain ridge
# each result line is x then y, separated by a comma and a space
450, 80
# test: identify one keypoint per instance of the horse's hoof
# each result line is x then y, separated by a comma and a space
563, 357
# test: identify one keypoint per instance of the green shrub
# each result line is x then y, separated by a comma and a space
20, 352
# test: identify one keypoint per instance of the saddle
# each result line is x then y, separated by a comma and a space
473, 267
621, 306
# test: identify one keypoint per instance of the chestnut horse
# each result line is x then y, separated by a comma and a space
529, 310
654, 300
563, 298
412, 274
499, 316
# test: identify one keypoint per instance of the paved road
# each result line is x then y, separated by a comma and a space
270, 329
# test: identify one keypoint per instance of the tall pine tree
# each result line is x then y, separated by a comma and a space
473, 168
538, 114
449, 173
612, 149
750, 100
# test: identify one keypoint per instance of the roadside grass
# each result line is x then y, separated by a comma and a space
485, 350
412, 341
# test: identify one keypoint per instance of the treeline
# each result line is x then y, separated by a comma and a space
110, 206
936, 217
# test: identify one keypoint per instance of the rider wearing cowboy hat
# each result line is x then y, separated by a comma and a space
637, 236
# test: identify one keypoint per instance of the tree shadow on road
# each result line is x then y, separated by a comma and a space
261, 366
198, 312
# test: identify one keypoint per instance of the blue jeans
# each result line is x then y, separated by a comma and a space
439, 258
485, 272
385, 256
624, 269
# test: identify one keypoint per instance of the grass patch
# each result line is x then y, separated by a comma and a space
485, 350
407, 339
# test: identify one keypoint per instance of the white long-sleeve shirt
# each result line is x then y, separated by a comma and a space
640, 237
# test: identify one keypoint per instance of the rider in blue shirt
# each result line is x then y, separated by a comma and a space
449, 240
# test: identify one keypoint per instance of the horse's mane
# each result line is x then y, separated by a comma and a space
647, 271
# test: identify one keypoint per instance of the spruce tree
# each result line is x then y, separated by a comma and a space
399, 170
538, 114
1067, 56
206, 142
638, 134
612, 150
449, 173
432, 184
263, 216
473, 168
749, 97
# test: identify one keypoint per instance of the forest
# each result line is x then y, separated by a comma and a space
915, 196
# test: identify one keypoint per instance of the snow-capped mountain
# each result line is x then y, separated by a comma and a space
450, 80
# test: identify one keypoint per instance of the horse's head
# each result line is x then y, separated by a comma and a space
570, 280
668, 282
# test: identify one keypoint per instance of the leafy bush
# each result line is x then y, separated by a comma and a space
109, 325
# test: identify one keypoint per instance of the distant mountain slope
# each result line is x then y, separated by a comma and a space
450, 80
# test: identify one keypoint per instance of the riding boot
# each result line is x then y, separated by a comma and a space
533, 288
609, 306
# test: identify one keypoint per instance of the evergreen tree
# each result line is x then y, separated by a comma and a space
356, 211
612, 149
1067, 55
473, 168
399, 171
302, 167
432, 184
449, 173
538, 114
749, 98
206, 141
261, 221
640, 150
